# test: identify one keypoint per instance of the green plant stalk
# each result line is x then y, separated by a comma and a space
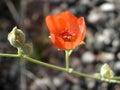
19, 51
58, 67
46, 64
9, 55
67, 59
42, 63
116, 77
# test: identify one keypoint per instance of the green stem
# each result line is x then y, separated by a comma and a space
43, 64
84, 75
116, 78
67, 59
9, 55
19, 51
58, 68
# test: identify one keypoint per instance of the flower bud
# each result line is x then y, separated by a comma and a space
27, 49
106, 71
16, 37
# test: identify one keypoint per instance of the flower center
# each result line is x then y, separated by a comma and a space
67, 36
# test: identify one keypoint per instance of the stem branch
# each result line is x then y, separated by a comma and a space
58, 67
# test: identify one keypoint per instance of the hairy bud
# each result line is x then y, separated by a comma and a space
16, 37
106, 71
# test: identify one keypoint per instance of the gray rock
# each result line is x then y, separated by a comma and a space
88, 57
117, 65
107, 7
105, 56
118, 55
96, 15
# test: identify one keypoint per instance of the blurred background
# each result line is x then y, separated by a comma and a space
102, 44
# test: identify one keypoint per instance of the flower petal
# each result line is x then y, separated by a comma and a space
60, 43
51, 24
82, 31
61, 22
71, 21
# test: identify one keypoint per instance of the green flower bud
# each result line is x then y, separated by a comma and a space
27, 48
106, 71
16, 37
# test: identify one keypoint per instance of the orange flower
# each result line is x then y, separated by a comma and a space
66, 30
